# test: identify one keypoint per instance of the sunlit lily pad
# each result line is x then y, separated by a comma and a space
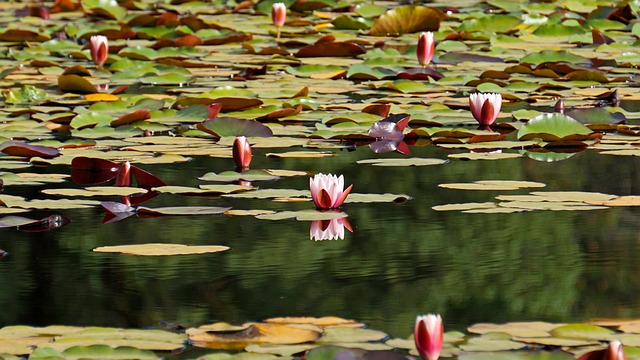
251, 334
553, 127
161, 249
96, 191
230, 176
407, 19
403, 162
493, 185
303, 215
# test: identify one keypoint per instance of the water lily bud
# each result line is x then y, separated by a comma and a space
429, 336
614, 351
327, 191
99, 46
241, 152
278, 14
485, 107
426, 48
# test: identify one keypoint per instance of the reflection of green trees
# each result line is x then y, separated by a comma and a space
402, 260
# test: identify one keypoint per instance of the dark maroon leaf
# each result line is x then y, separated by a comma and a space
214, 110
49, 223
138, 115
600, 38
250, 73
145, 179
228, 126
90, 171
377, 109
420, 74
331, 49
17, 148
281, 113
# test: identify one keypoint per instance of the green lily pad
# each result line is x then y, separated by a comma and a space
582, 331
93, 352
553, 127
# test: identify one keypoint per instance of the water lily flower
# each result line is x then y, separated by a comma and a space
278, 16
614, 351
428, 335
241, 152
327, 191
332, 229
485, 107
426, 48
99, 46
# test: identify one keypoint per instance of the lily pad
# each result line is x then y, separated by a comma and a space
155, 249
553, 127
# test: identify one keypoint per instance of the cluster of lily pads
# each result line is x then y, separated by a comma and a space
320, 338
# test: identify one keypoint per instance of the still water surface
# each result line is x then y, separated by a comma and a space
401, 259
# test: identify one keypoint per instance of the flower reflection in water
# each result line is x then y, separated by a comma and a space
329, 229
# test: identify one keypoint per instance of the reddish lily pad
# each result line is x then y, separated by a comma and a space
17, 148
331, 49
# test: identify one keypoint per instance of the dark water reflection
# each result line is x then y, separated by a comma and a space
401, 259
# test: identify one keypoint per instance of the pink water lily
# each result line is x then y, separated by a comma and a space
327, 191
99, 47
278, 16
332, 229
241, 152
426, 48
485, 107
428, 334
614, 351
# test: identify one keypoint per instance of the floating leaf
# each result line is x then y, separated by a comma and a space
407, 19
493, 185
17, 148
251, 334
227, 126
403, 162
553, 127
154, 249
181, 210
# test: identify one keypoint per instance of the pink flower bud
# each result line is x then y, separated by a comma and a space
614, 351
429, 336
99, 46
241, 152
426, 48
485, 107
278, 14
327, 191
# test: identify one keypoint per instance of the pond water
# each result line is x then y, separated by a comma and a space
401, 259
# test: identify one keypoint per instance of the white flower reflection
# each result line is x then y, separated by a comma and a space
329, 229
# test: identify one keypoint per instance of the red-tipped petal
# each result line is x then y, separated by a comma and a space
487, 113
323, 201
